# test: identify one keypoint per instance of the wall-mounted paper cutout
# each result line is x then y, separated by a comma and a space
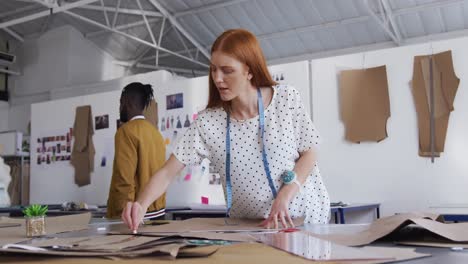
444, 84
365, 105
204, 200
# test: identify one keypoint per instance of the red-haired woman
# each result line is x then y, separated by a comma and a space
257, 136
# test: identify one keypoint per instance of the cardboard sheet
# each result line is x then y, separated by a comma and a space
54, 225
252, 253
301, 244
209, 228
378, 229
400, 254
306, 246
211, 225
365, 105
433, 244
168, 249
445, 84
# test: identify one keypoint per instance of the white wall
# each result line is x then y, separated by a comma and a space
57, 61
55, 183
391, 172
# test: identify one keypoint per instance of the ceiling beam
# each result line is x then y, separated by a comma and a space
116, 13
391, 18
371, 47
121, 27
179, 27
9, 72
121, 10
90, 21
384, 21
146, 22
331, 24
161, 35
54, 10
417, 8
18, 11
154, 67
14, 34
205, 8
46, 3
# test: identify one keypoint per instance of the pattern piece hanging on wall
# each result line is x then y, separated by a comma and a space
82, 157
434, 87
365, 105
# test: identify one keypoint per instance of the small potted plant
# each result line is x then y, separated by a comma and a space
35, 220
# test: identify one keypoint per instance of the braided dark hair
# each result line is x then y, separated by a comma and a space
138, 94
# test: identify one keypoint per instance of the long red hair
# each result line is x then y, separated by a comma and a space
244, 47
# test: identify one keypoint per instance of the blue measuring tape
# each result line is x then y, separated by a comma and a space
264, 155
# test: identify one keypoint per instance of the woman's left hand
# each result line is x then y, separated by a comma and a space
280, 208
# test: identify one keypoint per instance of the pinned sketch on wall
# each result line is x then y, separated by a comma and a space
187, 122
179, 124
101, 122
163, 124
174, 101
54, 147
279, 77
215, 179
107, 151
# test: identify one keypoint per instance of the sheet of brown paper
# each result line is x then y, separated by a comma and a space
400, 254
237, 237
457, 232
306, 246
441, 106
252, 253
208, 228
151, 113
82, 157
444, 92
54, 225
209, 224
169, 249
433, 244
378, 229
364, 104
320, 250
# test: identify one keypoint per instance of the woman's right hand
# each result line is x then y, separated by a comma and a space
132, 215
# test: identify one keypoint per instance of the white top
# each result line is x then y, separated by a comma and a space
288, 131
138, 117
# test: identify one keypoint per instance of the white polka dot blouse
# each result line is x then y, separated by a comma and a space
288, 131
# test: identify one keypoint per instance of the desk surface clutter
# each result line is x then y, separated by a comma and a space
213, 240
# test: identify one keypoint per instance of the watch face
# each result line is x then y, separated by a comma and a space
288, 177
